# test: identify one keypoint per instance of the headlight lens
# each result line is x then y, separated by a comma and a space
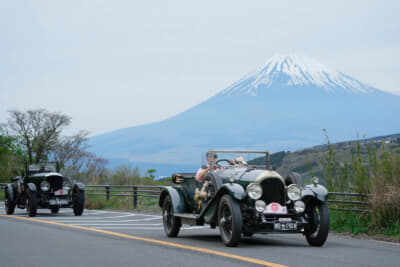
299, 206
254, 191
66, 185
45, 186
294, 192
260, 205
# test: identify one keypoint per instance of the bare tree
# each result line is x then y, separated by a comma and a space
37, 131
71, 150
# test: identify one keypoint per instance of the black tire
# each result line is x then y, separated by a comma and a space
318, 228
172, 224
78, 201
294, 178
229, 221
54, 210
8, 203
31, 203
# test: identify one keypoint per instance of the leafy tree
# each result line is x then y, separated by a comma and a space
151, 172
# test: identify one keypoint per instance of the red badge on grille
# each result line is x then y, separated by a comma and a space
274, 207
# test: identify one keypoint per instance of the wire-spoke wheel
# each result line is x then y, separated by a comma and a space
318, 228
229, 221
31, 203
78, 201
8, 203
171, 223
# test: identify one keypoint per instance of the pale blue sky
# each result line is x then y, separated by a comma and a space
114, 64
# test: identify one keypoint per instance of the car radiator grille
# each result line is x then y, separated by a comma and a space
273, 191
55, 182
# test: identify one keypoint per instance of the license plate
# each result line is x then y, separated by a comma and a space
285, 226
58, 201
61, 192
275, 208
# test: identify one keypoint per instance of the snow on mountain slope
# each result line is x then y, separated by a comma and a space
284, 105
296, 70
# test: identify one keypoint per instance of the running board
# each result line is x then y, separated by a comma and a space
190, 218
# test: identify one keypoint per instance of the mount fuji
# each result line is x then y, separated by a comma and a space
283, 105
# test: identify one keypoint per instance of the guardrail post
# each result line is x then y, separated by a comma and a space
135, 197
108, 193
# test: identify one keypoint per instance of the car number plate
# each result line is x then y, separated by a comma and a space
61, 192
285, 226
58, 201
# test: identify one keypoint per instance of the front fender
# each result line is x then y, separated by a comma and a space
176, 196
10, 191
32, 187
236, 191
80, 186
317, 191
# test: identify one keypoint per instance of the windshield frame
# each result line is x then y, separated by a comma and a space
213, 153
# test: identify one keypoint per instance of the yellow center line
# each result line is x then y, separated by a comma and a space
156, 241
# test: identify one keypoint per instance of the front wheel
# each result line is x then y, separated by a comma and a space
318, 228
172, 224
78, 201
31, 203
230, 221
8, 203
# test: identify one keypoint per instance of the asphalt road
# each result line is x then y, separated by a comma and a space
107, 238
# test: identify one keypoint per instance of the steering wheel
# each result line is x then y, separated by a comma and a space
223, 160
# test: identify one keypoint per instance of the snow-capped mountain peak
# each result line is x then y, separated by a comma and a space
296, 70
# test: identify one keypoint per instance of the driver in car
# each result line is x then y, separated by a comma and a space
204, 169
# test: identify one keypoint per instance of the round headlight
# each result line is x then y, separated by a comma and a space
45, 186
260, 205
254, 191
294, 192
299, 206
66, 186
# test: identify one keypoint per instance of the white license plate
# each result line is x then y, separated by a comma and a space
275, 208
58, 201
285, 226
61, 192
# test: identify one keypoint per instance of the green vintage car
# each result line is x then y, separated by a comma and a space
43, 186
245, 198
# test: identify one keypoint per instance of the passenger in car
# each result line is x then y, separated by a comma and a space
202, 171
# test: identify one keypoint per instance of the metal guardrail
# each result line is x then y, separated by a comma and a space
342, 201
133, 191
347, 201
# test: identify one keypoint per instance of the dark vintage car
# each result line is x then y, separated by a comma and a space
43, 186
245, 198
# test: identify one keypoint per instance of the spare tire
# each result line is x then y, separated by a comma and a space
294, 178
215, 182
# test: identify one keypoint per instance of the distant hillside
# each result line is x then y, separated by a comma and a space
308, 162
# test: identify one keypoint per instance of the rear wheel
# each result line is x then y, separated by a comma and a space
31, 203
318, 228
78, 201
54, 209
230, 221
172, 224
8, 203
